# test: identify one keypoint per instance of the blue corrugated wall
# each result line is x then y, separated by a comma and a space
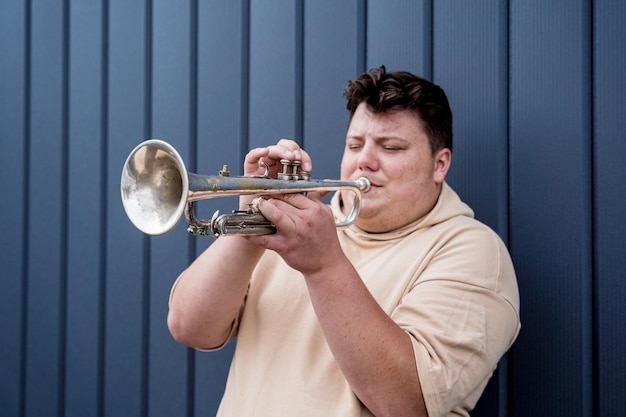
538, 92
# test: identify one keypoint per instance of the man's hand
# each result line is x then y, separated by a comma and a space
306, 236
257, 159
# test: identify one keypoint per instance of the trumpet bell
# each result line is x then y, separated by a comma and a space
154, 187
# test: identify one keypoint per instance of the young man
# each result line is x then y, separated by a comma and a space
407, 312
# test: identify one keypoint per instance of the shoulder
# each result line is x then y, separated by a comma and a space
467, 250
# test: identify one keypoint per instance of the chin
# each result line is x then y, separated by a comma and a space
366, 219
370, 209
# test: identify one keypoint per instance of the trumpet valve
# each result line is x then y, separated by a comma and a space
224, 172
295, 174
285, 175
295, 165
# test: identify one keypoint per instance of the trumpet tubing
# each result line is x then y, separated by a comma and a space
157, 190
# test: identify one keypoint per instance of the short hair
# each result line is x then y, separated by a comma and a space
400, 90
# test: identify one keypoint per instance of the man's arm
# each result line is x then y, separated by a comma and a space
209, 294
374, 353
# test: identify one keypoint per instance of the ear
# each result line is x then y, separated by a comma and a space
442, 161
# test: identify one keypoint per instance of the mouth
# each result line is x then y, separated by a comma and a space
373, 184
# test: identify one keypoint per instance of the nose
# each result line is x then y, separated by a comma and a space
368, 158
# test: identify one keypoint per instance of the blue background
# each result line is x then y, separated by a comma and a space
538, 93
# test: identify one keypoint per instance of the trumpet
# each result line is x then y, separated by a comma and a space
157, 190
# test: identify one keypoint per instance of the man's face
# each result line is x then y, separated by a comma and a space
393, 152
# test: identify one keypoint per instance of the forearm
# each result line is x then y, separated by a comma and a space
373, 352
209, 294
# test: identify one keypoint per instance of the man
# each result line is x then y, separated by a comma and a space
405, 313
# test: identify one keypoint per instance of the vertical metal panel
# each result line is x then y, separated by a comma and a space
85, 210
610, 203
331, 51
222, 109
473, 37
46, 214
125, 377
273, 100
399, 35
13, 204
171, 110
550, 217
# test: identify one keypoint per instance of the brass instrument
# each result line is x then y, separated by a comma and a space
157, 189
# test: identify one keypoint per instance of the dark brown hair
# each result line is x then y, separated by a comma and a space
400, 90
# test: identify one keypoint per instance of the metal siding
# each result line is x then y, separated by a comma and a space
125, 300
13, 205
470, 64
222, 94
399, 35
550, 218
610, 204
273, 106
169, 254
85, 210
46, 212
330, 45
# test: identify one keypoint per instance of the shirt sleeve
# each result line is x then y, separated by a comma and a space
462, 316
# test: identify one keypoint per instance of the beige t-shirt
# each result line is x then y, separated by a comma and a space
447, 280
